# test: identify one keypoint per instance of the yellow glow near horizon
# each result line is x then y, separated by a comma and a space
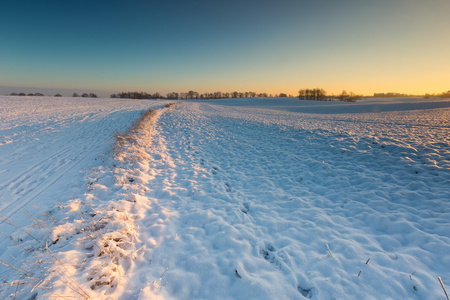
361, 46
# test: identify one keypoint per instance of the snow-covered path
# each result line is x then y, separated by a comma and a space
253, 202
233, 200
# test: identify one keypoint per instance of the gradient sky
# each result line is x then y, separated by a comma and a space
271, 46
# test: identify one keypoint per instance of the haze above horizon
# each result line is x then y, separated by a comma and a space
262, 46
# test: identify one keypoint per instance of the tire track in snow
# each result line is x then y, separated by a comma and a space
27, 193
53, 162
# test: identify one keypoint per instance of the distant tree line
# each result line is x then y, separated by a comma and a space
136, 95
390, 95
172, 96
193, 95
32, 94
23, 94
86, 95
313, 94
441, 95
427, 96
318, 94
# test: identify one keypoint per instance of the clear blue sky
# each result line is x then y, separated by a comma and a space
261, 45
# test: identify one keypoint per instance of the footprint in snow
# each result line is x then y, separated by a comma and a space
268, 253
306, 292
246, 208
215, 170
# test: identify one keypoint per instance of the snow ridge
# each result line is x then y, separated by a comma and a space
105, 236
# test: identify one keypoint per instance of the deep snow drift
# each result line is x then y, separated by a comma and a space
232, 199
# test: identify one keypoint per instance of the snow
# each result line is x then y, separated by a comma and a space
225, 199
46, 147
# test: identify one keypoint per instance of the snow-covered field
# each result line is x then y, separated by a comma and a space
225, 199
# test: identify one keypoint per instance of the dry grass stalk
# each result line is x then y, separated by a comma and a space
443, 287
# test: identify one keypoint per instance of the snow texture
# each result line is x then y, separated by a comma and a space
225, 199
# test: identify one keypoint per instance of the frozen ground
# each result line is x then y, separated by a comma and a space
229, 199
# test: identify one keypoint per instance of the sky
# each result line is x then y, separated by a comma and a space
271, 46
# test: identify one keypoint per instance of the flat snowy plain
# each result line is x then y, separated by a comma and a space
224, 199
